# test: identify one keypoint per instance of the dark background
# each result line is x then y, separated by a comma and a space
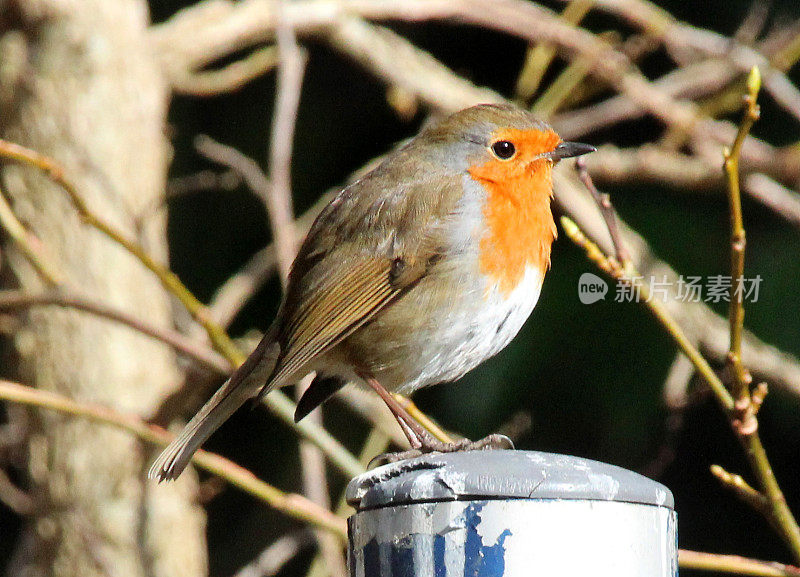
590, 376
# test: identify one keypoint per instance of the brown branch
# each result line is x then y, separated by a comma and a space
234, 293
272, 559
229, 78
396, 61
27, 243
170, 281
277, 402
293, 505
15, 498
252, 20
692, 81
742, 489
734, 565
679, 37
15, 300
741, 415
774, 195
284, 120
217, 29
707, 331
603, 202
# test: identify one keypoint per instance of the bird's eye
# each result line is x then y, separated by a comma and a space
503, 149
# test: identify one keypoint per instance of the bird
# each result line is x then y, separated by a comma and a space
411, 276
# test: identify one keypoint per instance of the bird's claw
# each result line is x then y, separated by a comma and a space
491, 442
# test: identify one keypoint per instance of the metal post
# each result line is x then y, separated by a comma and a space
509, 514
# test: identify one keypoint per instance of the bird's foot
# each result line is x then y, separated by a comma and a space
432, 445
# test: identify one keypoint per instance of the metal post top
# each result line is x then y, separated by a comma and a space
502, 475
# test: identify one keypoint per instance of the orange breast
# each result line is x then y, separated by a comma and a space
519, 222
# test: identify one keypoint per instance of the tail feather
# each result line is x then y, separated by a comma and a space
245, 382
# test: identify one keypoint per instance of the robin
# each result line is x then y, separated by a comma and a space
411, 276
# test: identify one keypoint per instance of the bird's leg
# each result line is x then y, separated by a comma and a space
420, 439
413, 430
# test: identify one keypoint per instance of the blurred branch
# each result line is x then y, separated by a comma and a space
293, 505
375, 444
707, 330
237, 26
540, 56
679, 37
229, 78
27, 243
278, 197
225, 26
780, 199
734, 565
741, 488
398, 62
15, 498
277, 402
694, 80
278, 200
170, 281
16, 300
272, 559
603, 202
627, 273
742, 416
239, 288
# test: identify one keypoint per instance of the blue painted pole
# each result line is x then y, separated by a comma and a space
509, 514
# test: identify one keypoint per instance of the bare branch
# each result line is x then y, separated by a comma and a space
272, 559
291, 504
734, 565
783, 201
230, 78
16, 300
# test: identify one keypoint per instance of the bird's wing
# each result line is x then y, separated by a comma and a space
363, 252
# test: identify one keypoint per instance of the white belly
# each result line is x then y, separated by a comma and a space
468, 335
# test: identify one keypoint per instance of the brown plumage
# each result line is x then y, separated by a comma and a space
406, 278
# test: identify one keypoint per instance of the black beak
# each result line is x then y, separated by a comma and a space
569, 150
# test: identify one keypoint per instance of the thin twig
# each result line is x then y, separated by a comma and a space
277, 402
284, 119
603, 201
630, 276
778, 513
235, 292
170, 281
229, 78
293, 505
734, 565
741, 488
272, 559
15, 498
27, 243
774, 195
15, 300
741, 379
540, 56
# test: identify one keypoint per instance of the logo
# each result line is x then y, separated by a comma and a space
591, 288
